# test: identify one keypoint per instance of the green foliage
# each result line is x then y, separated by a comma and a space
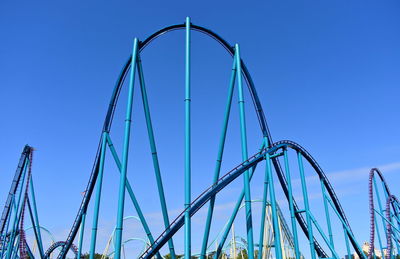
96, 256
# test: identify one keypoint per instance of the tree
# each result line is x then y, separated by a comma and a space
96, 256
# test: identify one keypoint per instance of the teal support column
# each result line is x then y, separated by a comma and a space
81, 232
124, 169
327, 216
291, 205
99, 183
154, 155
17, 209
249, 221
263, 213
347, 243
187, 238
306, 205
219, 159
7, 225
234, 213
36, 223
132, 195
378, 197
275, 222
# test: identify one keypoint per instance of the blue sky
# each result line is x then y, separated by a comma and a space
326, 73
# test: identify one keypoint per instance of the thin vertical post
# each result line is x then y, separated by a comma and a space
7, 225
378, 197
187, 238
263, 212
154, 155
99, 183
291, 205
219, 159
347, 243
234, 213
36, 223
124, 169
249, 222
277, 236
81, 232
132, 195
328, 219
16, 217
306, 205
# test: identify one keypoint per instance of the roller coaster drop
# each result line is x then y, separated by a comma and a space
321, 234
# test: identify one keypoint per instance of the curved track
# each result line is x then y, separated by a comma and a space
226, 179
390, 203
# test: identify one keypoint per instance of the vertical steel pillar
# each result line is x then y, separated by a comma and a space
219, 159
187, 177
234, 213
154, 155
98, 196
124, 169
263, 212
6, 229
132, 195
249, 222
16, 219
277, 236
36, 223
328, 219
291, 205
81, 232
347, 243
306, 205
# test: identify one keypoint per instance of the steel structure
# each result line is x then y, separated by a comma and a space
21, 196
283, 161
386, 214
21, 202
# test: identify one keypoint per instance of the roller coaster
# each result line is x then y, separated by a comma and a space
297, 227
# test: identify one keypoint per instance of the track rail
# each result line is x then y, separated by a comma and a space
222, 182
261, 118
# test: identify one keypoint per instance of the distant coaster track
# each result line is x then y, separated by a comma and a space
388, 213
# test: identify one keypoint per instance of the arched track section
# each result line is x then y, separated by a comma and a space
263, 126
73, 248
388, 213
227, 179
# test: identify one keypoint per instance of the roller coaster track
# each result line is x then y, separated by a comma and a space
275, 155
391, 203
14, 186
207, 195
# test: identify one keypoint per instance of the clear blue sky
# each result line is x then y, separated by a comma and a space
327, 73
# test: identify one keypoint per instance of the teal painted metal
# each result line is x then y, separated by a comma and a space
36, 223
131, 194
263, 213
346, 227
99, 184
17, 214
327, 242
291, 206
243, 136
218, 163
124, 168
81, 233
328, 220
347, 243
187, 176
306, 206
277, 236
154, 155
270, 151
234, 213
